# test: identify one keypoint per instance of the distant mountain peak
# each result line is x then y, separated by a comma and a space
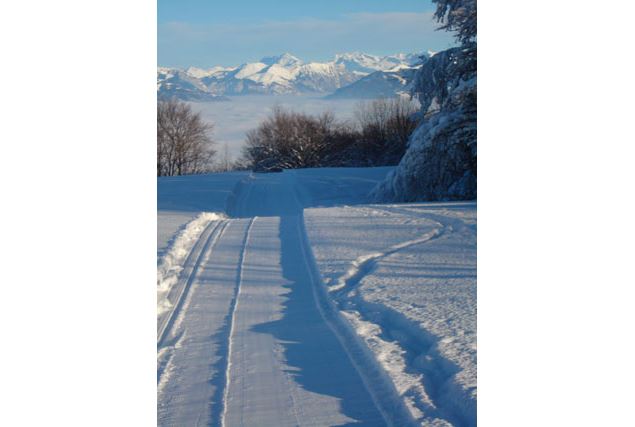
287, 74
286, 59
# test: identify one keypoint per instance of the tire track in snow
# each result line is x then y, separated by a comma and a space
206, 242
232, 318
201, 248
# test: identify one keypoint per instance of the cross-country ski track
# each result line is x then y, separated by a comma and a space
252, 337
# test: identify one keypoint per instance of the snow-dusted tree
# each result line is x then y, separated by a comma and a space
184, 145
458, 16
440, 162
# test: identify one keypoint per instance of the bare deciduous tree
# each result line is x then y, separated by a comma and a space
184, 144
289, 140
225, 162
385, 125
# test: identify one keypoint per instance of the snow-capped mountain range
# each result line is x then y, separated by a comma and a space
283, 74
380, 84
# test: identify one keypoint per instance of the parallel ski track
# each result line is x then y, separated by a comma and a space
374, 378
232, 310
206, 242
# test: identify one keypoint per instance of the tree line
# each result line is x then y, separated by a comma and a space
376, 136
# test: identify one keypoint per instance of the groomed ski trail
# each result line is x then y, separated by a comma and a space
254, 342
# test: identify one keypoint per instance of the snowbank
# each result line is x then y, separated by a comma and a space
172, 262
186, 205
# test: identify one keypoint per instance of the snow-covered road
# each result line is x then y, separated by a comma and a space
251, 337
249, 344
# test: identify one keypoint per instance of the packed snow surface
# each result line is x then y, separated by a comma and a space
301, 304
186, 207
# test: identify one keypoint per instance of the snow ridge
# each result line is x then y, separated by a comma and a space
171, 264
409, 354
366, 263
388, 351
376, 380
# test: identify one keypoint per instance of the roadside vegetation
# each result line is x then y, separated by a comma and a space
377, 136
184, 142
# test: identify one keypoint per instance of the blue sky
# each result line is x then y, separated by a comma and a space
204, 33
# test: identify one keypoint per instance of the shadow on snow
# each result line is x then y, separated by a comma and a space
320, 364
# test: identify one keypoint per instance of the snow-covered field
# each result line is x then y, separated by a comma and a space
405, 277
297, 303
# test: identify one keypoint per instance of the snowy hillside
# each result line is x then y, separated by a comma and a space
365, 63
380, 84
283, 74
287, 300
184, 85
